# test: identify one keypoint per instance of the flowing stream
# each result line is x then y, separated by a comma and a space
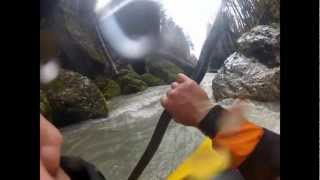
115, 144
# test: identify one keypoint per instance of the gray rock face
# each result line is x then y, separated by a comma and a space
254, 71
263, 43
243, 77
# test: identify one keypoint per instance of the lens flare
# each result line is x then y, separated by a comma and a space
49, 71
126, 47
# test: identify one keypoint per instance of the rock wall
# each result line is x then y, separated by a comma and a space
253, 71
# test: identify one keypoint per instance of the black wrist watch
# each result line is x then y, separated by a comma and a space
209, 124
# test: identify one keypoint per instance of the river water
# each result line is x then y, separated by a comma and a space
114, 144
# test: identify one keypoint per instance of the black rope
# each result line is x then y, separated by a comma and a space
152, 146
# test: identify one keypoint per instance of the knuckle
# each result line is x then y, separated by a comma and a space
193, 83
57, 138
173, 94
50, 135
165, 102
190, 83
169, 93
174, 85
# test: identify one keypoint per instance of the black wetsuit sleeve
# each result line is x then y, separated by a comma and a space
79, 169
264, 162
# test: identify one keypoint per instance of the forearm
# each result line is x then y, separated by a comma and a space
254, 150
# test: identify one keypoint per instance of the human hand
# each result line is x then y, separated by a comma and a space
186, 101
189, 104
50, 145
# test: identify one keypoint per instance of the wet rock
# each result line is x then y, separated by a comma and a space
45, 108
48, 46
77, 38
163, 69
139, 66
84, 35
74, 98
262, 42
130, 72
243, 77
108, 87
130, 82
152, 80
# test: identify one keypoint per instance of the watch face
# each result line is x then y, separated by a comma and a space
105, 64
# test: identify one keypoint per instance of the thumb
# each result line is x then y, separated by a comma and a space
44, 174
61, 175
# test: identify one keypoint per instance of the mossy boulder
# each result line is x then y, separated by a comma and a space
108, 87
74, 98
45, 108
130, 82
163, 69
152, 80
129, 72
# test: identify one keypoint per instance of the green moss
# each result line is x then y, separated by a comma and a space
152, 80
108, 87
163, 69
73, 98
275, 25
130, 82
129, 72
45, 108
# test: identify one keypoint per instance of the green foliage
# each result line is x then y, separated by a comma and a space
152, 80
163, 69
275, 25
108, 87
130, 82
45, 108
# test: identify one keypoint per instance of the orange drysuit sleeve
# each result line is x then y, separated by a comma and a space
254, 150
239, 143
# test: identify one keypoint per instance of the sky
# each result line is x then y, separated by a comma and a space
193, 17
